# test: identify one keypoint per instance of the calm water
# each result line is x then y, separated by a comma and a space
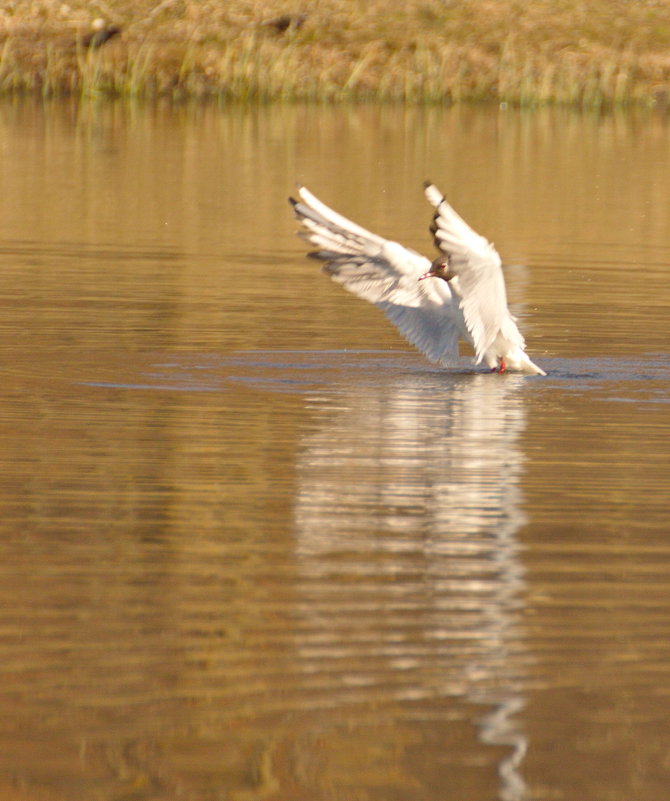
253, 546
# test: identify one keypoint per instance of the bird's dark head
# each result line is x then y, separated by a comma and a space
440, 268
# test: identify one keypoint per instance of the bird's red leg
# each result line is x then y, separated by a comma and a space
503, 366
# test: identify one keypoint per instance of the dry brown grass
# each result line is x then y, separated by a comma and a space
584, 52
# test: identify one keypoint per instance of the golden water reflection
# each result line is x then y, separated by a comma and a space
254, 547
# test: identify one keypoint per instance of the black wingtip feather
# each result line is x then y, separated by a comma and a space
324, 255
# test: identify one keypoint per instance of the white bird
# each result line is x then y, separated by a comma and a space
468, 299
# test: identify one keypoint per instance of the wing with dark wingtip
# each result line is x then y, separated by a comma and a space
479, 280
384, 273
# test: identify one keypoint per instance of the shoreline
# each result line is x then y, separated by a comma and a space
598, 54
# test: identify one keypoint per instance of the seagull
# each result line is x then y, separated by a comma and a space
460, 295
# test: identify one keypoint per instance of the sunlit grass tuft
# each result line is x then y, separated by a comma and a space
590, 53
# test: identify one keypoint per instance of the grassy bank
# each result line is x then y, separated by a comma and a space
580, 52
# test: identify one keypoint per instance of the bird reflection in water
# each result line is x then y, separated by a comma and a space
406, 516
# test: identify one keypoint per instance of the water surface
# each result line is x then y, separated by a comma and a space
256, 547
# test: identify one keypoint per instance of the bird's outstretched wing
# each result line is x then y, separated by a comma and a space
478, 279
386, 274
